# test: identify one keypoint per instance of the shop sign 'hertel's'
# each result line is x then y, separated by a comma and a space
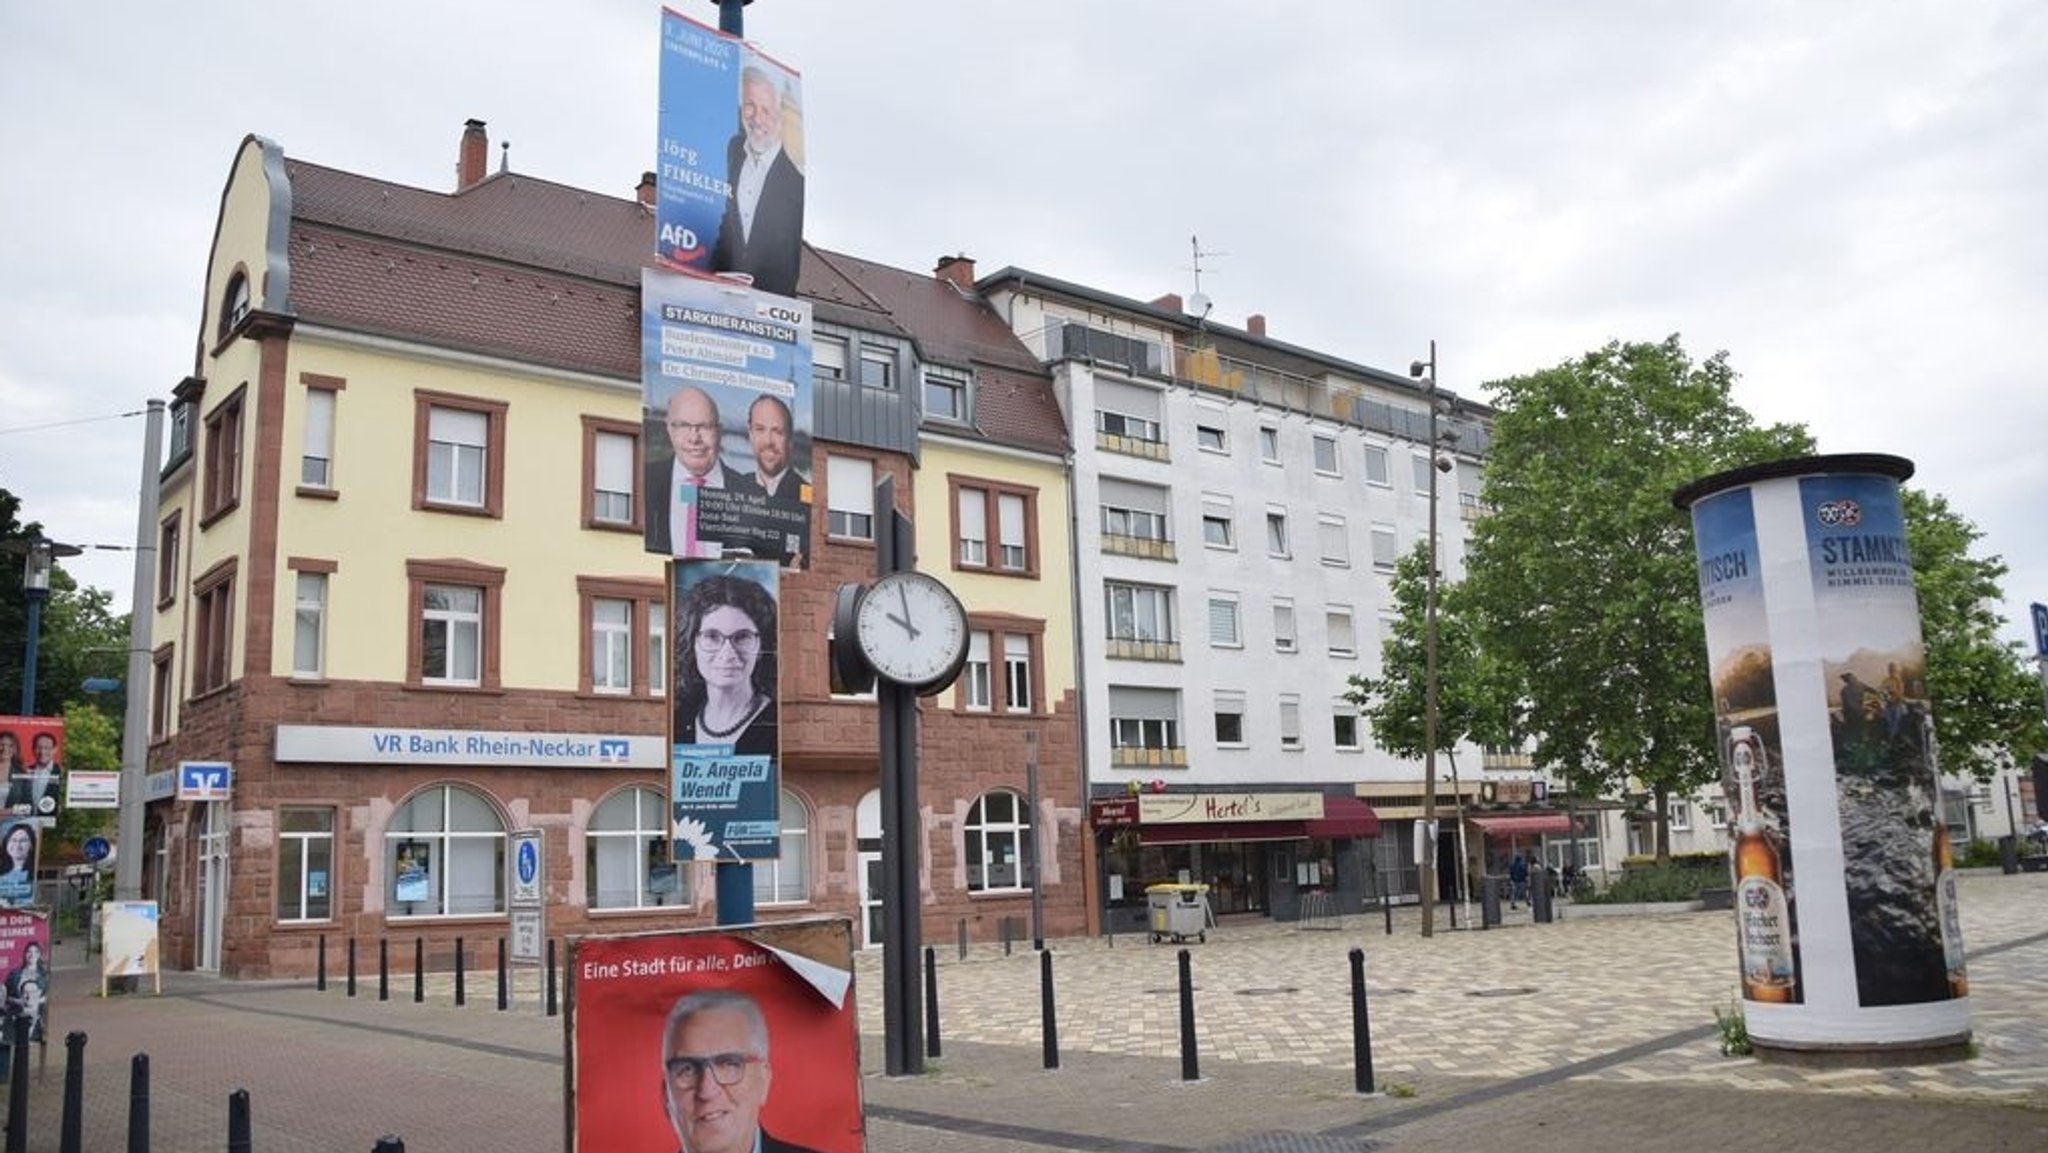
1192, 808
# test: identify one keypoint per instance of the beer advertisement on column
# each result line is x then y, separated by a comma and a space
726, 377
1751, 749
724, 787
1906, 944
728, 1039
729, 185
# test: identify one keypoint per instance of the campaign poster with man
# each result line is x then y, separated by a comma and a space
25, 962
729, 177
726, 379
715, 1041
724, 787
32, 756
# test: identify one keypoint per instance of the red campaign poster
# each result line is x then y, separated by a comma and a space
697, 1041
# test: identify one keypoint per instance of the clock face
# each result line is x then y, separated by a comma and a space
912, 630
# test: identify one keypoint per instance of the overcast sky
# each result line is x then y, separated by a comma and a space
1847, 197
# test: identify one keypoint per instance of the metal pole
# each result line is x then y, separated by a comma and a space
238, 1122
1049, 1025
931, 1002
138, 1104
135, 719
17, 1085
903, 1046
1464, 856
1031, 839
1190, 1062
1361, 1026
35, 598
731, 16
1428, 863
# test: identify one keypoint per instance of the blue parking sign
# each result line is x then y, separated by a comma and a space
2040, 629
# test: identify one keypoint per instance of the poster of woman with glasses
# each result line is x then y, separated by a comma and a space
725, 787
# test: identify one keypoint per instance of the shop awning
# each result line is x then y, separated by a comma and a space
1202, 831
1524, 824
1345, 817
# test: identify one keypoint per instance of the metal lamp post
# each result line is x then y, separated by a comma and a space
38, 555
1425, 371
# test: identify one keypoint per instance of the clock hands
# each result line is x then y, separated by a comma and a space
903, 596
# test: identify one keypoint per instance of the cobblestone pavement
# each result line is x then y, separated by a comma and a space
1593, 1033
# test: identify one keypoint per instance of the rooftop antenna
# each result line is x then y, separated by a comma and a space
504, 156
1198, 304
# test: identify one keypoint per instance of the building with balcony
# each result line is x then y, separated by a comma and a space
402, 587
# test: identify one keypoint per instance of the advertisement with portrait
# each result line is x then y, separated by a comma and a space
21, 842
726, 392
724, 785
1749, 745
32, 756
1867, 619
25, 959
729, 175
715, 1041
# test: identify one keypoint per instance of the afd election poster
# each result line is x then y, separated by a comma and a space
32, 757
724, 787
715, 1039
726, 378
729, 177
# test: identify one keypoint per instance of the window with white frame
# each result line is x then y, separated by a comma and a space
1129, 411
995, 833
316, 456
1139, 612
973, 527
1269, 444
1127, 425
305, 864
828, 357
1012, 535
611, 645
458, 444
1276, 533
1017, 673
309, 624
444, 855
611, 495
1376, 466
657, 648
451, 635
1386, 548
1343, 640
1223, 624
1290, 721
1211, 438
1010, 509
850, 497
1283, 625
877, 366
1344, 726
1679, 810
1144, 718
1334, 540
1230, 728
786, 880
977, 679
945, 396
626, 862
1326, 456
1218, 530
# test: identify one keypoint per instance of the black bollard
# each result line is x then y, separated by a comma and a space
351, 966
73, 1138
138, 1104
1005, 924
1386, 907
383, 968
1540, 895
460, 999
1049, 1022
320, 966
388, 1145
1190, 1068
504, 985
1361, 1029
963, 938
1451, 906
931, 1002
553, 1006
419, 970
238, 1122
17, 1085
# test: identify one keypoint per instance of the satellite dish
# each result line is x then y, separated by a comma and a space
1199, 305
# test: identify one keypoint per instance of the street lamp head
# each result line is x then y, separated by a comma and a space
1416, 369
1443, 464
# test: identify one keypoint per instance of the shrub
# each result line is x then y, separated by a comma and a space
1979, 854
1653, 883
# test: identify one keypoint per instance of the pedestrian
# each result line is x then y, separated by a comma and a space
1518, 880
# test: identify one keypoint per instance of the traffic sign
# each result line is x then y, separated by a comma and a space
2040, 630
97, 848
528, 888
527, 936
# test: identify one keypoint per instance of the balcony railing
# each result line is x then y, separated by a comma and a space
1136, 650
1149, 548
1133, 758
1132, 446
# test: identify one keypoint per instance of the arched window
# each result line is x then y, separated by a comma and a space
234, 304
625, 855
996, 829
788, 880
444, 855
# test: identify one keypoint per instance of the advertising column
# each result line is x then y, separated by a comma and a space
1819, 677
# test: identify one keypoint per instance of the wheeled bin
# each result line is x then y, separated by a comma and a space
1178, 911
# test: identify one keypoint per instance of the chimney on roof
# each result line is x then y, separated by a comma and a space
474, 155
1171, 302
957, 271
1256, 324
645, 193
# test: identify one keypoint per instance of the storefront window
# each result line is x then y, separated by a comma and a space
444, 855
305, 864
996, 827
626, 859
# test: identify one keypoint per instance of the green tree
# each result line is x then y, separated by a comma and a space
1582, 579
1476, 700
80, 634
92, 742
1986, 701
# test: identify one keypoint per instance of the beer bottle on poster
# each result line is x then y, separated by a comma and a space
1946, 911
1763, 919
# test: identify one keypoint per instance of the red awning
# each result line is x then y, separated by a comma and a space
1199, 831
1345, 817
1526, 824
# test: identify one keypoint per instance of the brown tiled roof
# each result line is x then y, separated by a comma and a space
1013, 395
511, 266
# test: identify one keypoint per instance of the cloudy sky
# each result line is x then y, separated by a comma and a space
1847, 197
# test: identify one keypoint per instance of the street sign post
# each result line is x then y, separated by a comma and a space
2040, 630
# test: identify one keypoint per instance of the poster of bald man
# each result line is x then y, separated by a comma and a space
726, 378
728, 1040
729, 184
